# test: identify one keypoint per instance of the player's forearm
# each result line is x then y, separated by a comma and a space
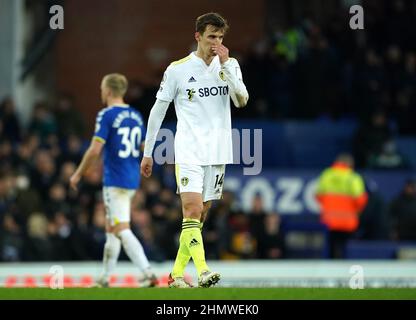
241, 97
157, 114
236, 85
87, 160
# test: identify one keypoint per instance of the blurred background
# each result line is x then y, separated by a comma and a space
317, 88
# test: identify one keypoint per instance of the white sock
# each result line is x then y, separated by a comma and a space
134, 250
111, 252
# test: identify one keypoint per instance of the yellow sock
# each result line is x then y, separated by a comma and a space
192, 238
183, 256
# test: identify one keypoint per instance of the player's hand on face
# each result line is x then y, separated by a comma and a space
74, 180
222, 52
146, 166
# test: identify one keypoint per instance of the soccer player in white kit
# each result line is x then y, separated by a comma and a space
200, 85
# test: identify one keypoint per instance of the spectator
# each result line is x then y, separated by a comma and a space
280, 86
139, 199
257, 70
25, 151
140, 97
51, 144
11, 240
7, 199
43, 174
370, 138
174, 218
28, 199
59, 230
68, 118
217, 227
342, 196
38, 246
57, 201
97, 232
406, 113
394, 70
314, 71
66, 171
271, 241
6, 153
152, 187
90, 191
374, 223
152, 238
73, 150
403, 213
81, 232
370, 84
243, 244
257, 217
42, 122
11, 125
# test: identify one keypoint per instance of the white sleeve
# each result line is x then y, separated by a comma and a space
234, 78
157, 114
168, 87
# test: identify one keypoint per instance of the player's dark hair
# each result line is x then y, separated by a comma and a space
213, 19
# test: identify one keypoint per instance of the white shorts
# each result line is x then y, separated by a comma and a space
207, 180
117, 203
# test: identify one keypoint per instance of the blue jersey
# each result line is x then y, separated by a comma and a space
121, 130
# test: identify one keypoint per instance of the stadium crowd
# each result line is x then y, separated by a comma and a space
305, 71
362, 71
42, 219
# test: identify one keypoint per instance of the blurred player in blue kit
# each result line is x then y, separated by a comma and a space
118, 135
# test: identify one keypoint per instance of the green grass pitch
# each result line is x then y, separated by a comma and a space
208, 294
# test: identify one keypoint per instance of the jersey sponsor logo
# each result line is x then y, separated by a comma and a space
191, 79
191, 93
213, 91
184, 181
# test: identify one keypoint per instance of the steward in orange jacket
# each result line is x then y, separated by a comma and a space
341, 195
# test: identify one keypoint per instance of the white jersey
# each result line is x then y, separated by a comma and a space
202, 104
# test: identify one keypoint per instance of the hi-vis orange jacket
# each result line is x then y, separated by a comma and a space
341, 194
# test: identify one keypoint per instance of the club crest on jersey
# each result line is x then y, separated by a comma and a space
221, 74
191, 93
184, 181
